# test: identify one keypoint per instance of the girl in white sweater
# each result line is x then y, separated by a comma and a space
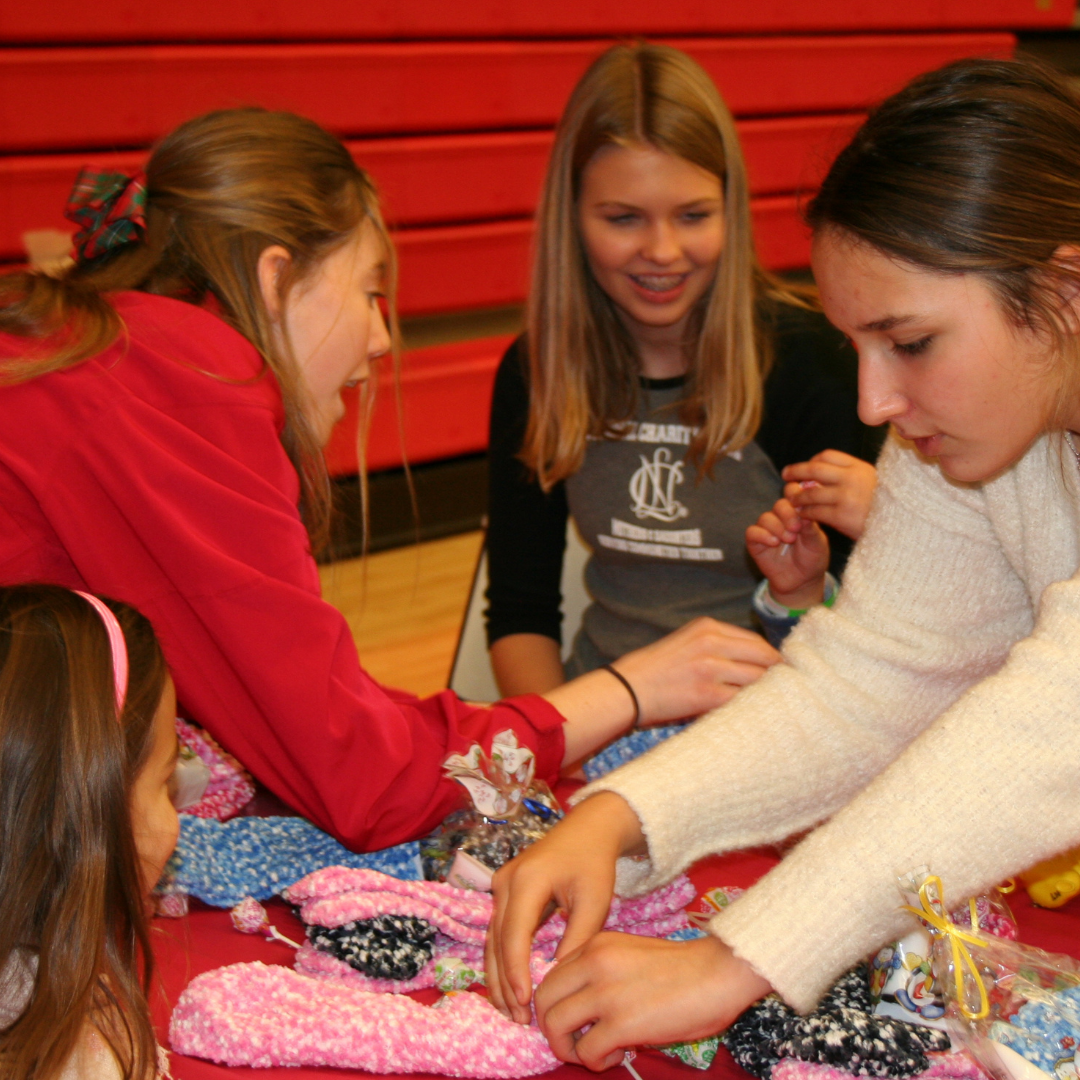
933, 715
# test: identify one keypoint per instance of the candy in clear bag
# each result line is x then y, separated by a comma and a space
902, 982
510, 810
1015, 1008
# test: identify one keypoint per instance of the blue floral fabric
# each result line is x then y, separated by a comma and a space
626, 749
222, 862
688, 933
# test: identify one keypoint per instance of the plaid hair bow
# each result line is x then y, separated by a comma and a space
110, 209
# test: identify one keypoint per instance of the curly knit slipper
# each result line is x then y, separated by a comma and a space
339, 897
254, 1014
631, 746
861, 1043
386, 947
223, 862
753, 1038
841, 1032
955, 1065
336, 895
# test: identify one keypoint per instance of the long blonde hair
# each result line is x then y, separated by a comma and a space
220, 189
583, 364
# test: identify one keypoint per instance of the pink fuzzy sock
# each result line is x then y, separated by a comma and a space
254, 1014
952, 1066
250, 1014
230, 788
338, 895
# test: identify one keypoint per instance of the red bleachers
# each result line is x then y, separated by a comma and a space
53, 98
282, 20
447, 390
450, 106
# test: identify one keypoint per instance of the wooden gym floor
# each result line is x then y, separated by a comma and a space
405, 608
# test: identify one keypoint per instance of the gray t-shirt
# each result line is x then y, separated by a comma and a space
666, 548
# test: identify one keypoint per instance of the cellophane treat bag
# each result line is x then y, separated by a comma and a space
1015, 1008
509, 810
902, 982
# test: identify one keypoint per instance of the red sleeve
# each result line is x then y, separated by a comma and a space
169, 488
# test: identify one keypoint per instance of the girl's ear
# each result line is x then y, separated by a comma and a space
273, 262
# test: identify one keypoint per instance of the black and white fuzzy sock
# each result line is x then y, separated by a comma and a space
842, 1032
386, 947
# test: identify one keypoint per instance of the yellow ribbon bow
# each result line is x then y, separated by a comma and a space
959, 940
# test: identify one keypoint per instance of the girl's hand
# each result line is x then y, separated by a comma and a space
833, 488
638, 991
698, 667
572, 868
792, 553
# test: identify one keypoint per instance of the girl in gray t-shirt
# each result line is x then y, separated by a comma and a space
637, 402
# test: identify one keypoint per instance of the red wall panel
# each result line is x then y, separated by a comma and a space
783, 241
463, 266
422, 180
253, 20
792, 153
53, 98
445, 178
447, 395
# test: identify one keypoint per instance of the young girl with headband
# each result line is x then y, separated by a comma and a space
637, 401
163, 409
931, 718
87, 751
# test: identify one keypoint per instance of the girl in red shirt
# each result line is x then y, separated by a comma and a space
164, 406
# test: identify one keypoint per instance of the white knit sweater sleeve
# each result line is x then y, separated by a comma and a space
930, 608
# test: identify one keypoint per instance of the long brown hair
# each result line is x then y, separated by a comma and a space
220, 189
71, 890
973, 168
583, 365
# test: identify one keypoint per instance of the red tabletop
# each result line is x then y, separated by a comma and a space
206, 939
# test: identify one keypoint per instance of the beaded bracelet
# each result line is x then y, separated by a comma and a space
630, 690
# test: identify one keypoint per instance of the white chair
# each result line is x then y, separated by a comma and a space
471, 677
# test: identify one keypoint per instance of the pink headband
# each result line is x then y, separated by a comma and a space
117, 645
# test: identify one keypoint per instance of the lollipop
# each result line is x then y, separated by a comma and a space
249, 917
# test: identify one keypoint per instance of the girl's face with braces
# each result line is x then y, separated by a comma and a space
652, 225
